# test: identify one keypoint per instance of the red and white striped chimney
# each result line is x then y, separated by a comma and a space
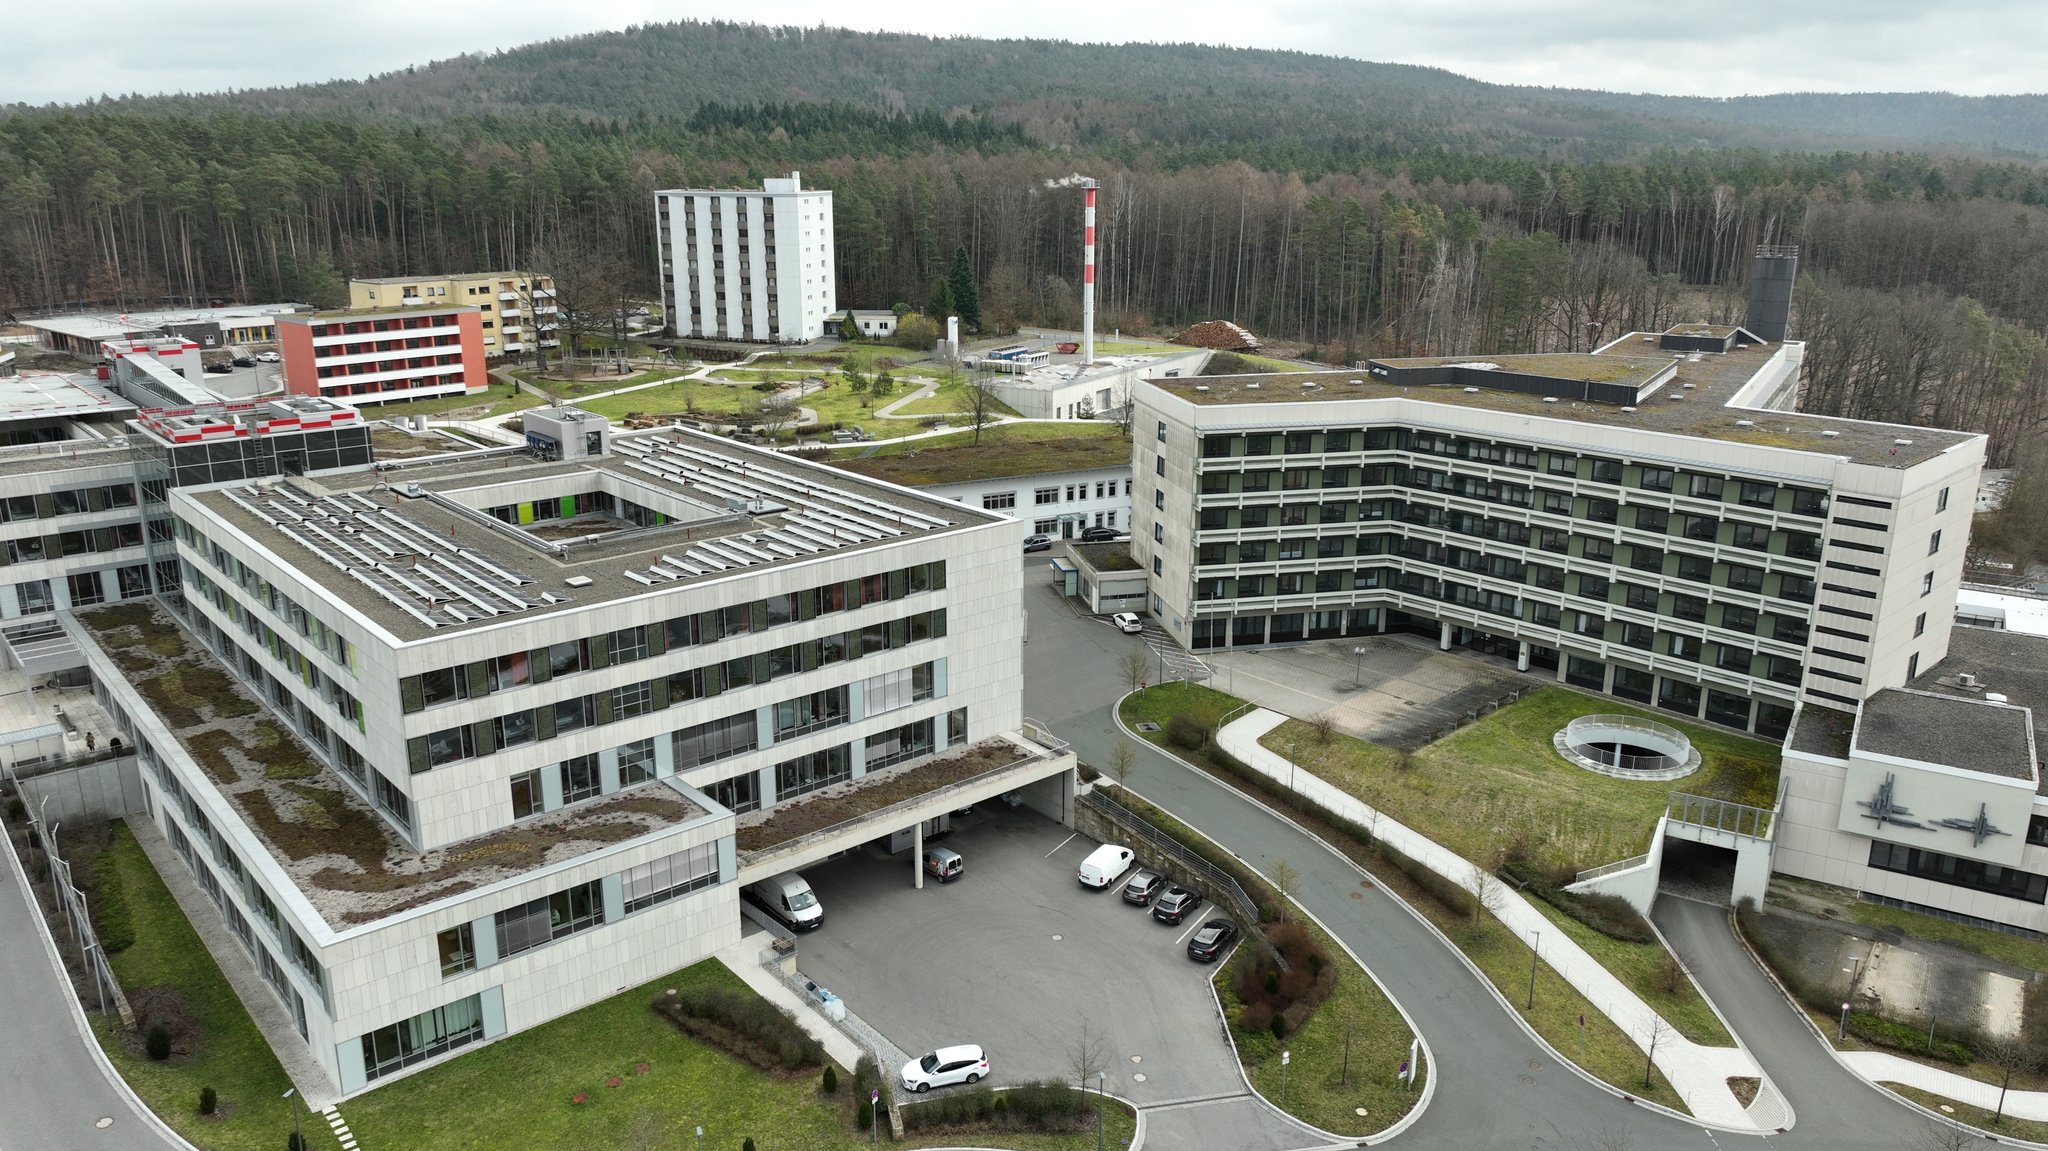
1088, 273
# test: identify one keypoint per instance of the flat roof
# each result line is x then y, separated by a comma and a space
1692, 403
2020, 612
383, 310
430, 277
47, 396
1006, 451
103, 325
1060, 375
2008, 663
340, 854
1972, 734
406, 548
1822, 731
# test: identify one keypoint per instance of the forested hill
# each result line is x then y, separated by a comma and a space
1090, 94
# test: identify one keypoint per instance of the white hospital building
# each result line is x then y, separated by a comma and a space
747, 265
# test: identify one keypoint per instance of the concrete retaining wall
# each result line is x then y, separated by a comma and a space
89, 793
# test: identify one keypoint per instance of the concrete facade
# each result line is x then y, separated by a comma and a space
747, 265
385, 354
518, 308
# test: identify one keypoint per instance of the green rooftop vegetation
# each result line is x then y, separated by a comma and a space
1608, 369
345, 858
1013, 449
872, 793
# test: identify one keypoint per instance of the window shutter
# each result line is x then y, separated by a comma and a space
657, 639
604, 707
479, 680
599, 650
411, 697
544, 722
541, 669
486, 743
416, 754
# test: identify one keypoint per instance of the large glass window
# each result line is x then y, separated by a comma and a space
581, 779
422, 1037
2009, 882
457, 947
526, 794
715, 740
665, 878
807, 773
550, 917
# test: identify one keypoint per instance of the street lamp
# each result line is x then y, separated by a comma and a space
1285, 1057
1290, 777
1358, 667
298, 1140
1842, 1032
1535, 948
1101, 1087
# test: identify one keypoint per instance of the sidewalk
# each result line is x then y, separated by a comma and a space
1699, 1074
1879, 1067
744, 960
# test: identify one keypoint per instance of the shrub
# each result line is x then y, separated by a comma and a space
1186, 732
829, 1082
747, 1144
157, 1042
1273, 982
1257, 1016
1446, 894
1279, 1026
1906, 1037
15, 810
209, 1102
745, 1025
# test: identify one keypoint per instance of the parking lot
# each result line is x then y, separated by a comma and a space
1015, 955
243, 383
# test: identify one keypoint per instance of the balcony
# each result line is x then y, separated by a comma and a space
508, 295
511, 329
411, 301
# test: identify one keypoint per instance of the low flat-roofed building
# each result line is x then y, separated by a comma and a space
1930, 796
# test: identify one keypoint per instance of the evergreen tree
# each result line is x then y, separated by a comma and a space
966, 299
941, 304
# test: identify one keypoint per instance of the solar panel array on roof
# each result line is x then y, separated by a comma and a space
812, 518
431, 579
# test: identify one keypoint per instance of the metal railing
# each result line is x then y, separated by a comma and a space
1049, 747
1585, 733
1611, 868
1719, 814
78, 917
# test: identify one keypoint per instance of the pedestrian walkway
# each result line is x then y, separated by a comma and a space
743, 958
1697, 1073
1880, 1067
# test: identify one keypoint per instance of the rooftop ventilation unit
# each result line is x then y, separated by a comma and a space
1358, 383
1745, 423
1309, 385
1995, 697
1550, 399
1252, 386
1471, 391
1201, 387
1966, 679
1628, 407
1903, 443
1830, 433
579, 581
410, 491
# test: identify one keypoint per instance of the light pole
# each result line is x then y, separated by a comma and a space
1358, 667
1284, 1058
1842, 1032
1101, 1087
1535, 948
298, 1140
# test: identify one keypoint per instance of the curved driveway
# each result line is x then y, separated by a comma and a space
1496, 1087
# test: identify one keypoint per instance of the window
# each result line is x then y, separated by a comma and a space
741, 793
86, 589
581, 779
457, 946
632, 699
1927, 584
1933, 546
1941, 502
999, 501
630, 644
663, 879
33, 596
526, 794
422, 1037
636, 762
813, 712
808, 773
2009, 882
1045, 496
1920, 625
715, 740
393, 801
549, 918
904, 743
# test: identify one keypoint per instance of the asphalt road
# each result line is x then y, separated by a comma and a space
1496, 1087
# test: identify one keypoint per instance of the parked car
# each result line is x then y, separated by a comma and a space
1212, 940
267, 357
1143, 886
1176, 905
1098, 535
1037, 543
789, 899
943, 863
1128, 622
965, 1063
219, 369
1105, 865
244, 362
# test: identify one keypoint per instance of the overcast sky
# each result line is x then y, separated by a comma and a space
1977, 47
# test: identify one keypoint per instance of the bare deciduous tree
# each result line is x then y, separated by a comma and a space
779, 412
1122, 758
981, 400
1490, 894
2011, 1055
1287, 881
1133, 665
1089, 1054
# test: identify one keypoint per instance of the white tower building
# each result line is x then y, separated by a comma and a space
745, 264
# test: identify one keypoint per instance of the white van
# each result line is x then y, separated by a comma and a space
789, 899
1105, 865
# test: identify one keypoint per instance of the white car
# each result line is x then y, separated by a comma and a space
1128, 623
945, 1067
266, 357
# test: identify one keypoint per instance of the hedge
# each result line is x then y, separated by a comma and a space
744, 1025
1047, 1105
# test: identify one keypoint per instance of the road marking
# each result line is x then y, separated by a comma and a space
1192, 928
1062, 843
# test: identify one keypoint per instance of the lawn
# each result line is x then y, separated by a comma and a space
834, 403
2032, 1131
1498, 784
2029, 953
565, 388
229, 1054
523, 1085
1317, 1089
953, 398
1643, 967
1018, 449
492, 401
1139, 348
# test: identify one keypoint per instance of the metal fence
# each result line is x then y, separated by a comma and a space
78, 918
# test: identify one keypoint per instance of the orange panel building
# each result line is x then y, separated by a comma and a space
383, 355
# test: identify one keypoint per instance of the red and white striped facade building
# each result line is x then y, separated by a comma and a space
383, 355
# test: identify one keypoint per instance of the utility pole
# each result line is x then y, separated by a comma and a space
1535, 941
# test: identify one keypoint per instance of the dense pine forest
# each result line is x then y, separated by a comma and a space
1352, 209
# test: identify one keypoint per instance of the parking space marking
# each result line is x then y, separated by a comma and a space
1192, 928
1063, 843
